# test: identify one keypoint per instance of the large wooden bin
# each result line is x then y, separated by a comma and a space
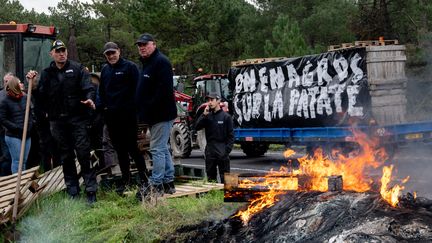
387, 83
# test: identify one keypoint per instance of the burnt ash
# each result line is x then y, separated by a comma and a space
322, 217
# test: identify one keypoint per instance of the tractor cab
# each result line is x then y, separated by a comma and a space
24, 47
210, 83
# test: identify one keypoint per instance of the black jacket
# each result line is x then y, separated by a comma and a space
118, 85
12, 113
219, 134
155, 92
60, 91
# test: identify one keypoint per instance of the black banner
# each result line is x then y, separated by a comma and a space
329, 89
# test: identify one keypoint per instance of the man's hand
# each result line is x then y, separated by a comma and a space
89, 103
31, 78
206, 110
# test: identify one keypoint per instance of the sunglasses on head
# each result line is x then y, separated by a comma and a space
60, 50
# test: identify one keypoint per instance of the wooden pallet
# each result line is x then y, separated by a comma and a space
362, 44
32, 186
8, 187
193, 189
255, 61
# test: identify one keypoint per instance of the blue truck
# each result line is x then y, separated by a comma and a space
319, 100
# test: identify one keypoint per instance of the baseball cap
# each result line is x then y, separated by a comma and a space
144, 38
213, 96
110, 46
58, 44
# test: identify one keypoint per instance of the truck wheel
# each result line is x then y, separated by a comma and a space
180, 140
254, 149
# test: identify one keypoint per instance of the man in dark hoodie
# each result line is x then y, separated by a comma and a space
117, 95
64, 95
157, 108
219, 135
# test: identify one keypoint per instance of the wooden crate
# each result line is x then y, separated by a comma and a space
255, 61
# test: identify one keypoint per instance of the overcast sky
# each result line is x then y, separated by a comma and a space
42, 5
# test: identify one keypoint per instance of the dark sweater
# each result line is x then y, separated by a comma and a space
12, 114
118, 85
219, 133
155, 92
60, 91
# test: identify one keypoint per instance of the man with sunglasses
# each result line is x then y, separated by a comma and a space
119, 79
65, 97
219, 136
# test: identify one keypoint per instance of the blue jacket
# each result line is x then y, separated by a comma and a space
155, 92
118, 85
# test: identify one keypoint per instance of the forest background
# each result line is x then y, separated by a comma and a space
209, 34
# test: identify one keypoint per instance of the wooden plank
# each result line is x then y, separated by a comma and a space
14, 180
13, 176
192, 190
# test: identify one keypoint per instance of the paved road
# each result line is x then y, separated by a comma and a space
413, 160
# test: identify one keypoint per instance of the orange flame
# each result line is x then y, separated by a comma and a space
318, 167
391, 195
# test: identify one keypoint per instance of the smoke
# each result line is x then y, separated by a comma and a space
419, 85
413, 160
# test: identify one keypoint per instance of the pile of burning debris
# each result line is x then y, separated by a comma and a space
321, 199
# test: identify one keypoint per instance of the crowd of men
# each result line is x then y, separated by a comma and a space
67, 103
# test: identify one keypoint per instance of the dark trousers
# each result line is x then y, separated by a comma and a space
49, 153
212, 164
122, 129
71, 137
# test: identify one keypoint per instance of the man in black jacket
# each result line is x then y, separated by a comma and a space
157, 108
65, 95
117, 95
219, 135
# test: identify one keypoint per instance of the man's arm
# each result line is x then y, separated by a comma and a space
88, 89
230, 133
201, 122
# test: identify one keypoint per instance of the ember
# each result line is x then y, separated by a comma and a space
321, 217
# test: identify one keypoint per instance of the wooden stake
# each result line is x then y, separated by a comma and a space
21, 159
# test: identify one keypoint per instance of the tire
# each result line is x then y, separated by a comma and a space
254, 149
180, 141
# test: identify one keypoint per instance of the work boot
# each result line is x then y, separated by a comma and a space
91, 198
169, 188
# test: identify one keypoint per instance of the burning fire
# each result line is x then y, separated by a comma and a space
391, 195
318, 168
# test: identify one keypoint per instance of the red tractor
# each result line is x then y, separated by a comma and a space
183, 136
24, 47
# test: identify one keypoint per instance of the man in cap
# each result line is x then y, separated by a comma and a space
157, 108
117, 95
65, 96
219, 135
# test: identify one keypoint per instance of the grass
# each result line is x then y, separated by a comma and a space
117, 219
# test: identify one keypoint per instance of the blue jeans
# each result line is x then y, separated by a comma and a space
14, 146
163, 167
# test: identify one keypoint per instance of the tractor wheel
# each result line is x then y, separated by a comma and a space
180, 140
254, 149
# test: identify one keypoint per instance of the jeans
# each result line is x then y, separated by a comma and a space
163, 167
14, 145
